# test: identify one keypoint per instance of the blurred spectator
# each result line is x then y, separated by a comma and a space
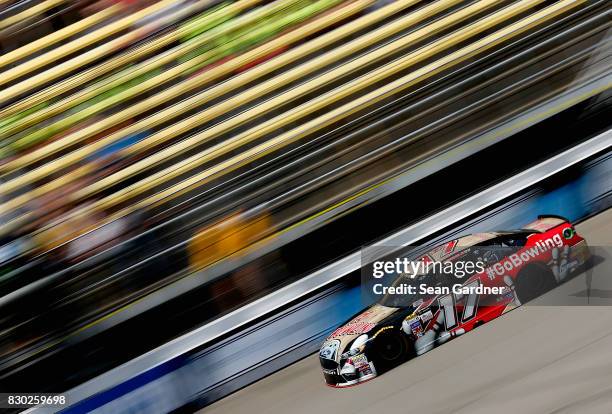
226, 238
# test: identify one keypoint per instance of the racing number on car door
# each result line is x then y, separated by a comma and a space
449, 304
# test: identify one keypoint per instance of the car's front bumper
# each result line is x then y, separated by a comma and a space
336, 376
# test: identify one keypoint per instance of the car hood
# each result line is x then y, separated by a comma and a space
362, 323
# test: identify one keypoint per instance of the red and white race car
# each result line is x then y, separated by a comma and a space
515, 267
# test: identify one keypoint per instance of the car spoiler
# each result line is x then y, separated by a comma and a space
546, 222
545, 216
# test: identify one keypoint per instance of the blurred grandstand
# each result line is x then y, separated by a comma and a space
166, 162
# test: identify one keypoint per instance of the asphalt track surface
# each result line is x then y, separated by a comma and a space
535, 359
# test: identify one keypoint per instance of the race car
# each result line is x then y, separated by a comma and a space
516, 266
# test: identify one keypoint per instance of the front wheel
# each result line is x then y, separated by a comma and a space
390, 349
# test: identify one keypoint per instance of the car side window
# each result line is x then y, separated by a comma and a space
515, 240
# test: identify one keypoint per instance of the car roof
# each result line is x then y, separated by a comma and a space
448, 249
476, 238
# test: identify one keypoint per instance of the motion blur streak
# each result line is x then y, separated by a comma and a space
190, 103
309, 107
167, 163
52, 38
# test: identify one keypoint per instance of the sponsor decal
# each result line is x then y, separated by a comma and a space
357, 325
426, 316
329, 350
354, 329
360, 361
520, 258
382, 330
330, 371
412, 319
415, 327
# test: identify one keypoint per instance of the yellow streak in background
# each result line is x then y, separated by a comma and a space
357, 104
142, 50
87, 57
191, 103
307, 108
59, 35
131, 73
30, 12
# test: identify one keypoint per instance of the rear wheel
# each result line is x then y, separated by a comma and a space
534, 281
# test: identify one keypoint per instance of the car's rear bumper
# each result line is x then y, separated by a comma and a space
580, 253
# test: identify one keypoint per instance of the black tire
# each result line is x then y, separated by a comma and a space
534, 281
390, 349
